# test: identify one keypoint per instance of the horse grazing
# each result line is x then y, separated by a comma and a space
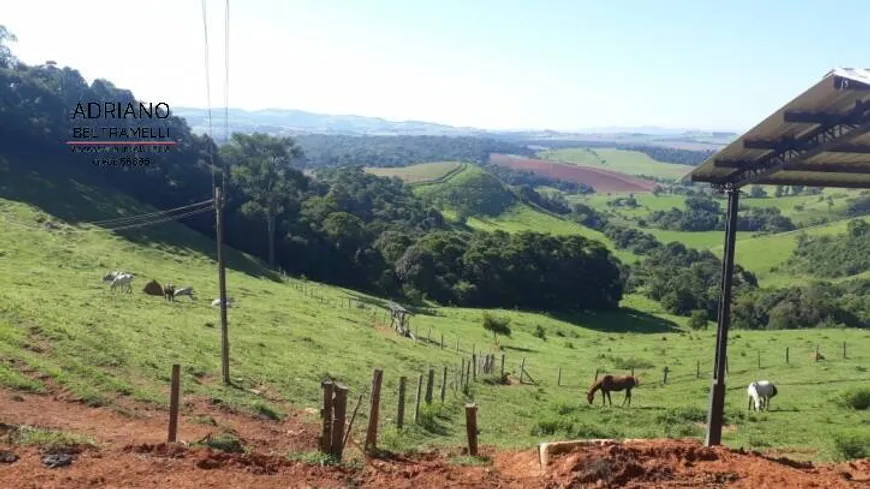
760, 393
188, 291
610, 383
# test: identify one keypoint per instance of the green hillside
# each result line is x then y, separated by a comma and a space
629, 162
421, 173
66, 325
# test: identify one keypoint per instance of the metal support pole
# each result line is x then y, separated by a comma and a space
222, 284
717, 389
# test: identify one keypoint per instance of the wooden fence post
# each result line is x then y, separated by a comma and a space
462, 374
429, 386
374, 410
759, 359
596, 375
698, 370
817, 353
665, 379
339, 411
444, 384
442, 341
502, 365
559, 378
467, 373
326, 416
417, 399
844, 349
522, 369
471, 428
174, 389
786, 355
474, 366
400, 414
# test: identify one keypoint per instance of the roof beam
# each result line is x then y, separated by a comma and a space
790, 143
816, 142
850, 168
803, 117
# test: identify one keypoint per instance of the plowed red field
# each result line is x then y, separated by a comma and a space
599, 179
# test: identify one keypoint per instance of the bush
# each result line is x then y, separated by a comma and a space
496, 326
698, 319
855, 398
850, 446
540, 333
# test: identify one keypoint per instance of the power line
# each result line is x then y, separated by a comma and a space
162, 220
208, 91
123, 220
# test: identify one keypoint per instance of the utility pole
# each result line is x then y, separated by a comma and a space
222, 284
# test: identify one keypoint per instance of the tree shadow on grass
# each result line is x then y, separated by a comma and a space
624, 320
519, 348
69, 194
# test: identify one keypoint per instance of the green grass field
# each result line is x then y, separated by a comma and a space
629, 162
422, 173
57, 319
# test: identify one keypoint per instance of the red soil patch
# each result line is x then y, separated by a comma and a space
131, 454
599, 179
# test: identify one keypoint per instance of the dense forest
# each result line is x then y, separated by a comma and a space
664, 154
323, 150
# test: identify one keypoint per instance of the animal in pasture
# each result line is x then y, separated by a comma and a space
113, 275
169, 292
611, 383
760, 393
217, 302
188, 291
123, 281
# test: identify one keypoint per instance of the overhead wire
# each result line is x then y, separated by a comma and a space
208, 93
161, 220
226, 82
123, 220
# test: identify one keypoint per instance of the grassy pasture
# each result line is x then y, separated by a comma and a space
422, 173
629, 162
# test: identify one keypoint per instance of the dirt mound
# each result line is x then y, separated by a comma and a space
686, 463
599, 179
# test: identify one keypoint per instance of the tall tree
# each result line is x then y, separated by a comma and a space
6, 58
260, 165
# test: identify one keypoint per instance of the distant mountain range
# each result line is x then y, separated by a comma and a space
294, 122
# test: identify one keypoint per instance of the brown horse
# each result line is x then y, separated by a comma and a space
610, 383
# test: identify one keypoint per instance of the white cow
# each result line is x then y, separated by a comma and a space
217, 302
188, 291
760, 393
124, 281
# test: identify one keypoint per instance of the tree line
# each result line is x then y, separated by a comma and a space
664, 154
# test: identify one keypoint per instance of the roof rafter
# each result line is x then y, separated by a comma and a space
817, 141
786, 143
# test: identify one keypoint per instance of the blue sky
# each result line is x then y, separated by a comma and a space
499, 64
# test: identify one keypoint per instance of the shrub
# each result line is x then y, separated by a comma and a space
850, 446
855, 398
540, 333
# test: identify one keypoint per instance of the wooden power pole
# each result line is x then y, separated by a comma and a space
222, 284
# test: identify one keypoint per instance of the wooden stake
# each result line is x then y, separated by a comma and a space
596, 375
444, 385
698, 370
326, 417
339, 412
522, 369
786, 355
442, 341
374, 410
665, 379
173, 403
502, 365
400, 414
559, 378
462, 373
417, 399
817, 353
474, 367
429, 385
844, 349
471, 428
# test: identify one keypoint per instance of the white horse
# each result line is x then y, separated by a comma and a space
760, 393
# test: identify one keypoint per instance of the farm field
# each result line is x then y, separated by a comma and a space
66, 329
421, 173
601, 180
623, 161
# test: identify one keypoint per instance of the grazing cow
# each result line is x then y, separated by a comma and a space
169, 292
217, 302
611, 383
124, 281
760, 393
188, 291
